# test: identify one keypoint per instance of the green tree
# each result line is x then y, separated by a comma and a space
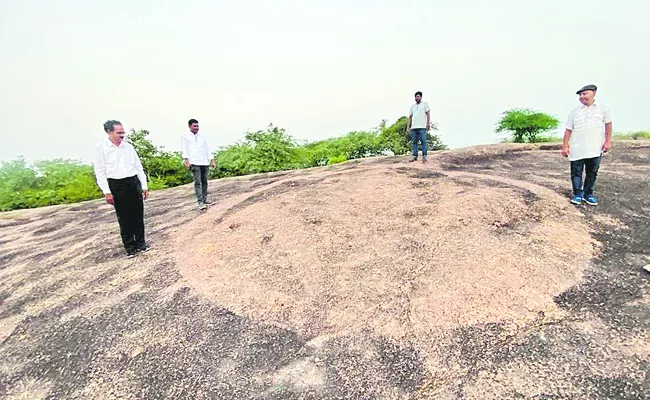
525, 124
163, 168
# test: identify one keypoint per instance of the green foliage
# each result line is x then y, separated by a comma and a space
539, 139
45, 183
525, 124
66, 181
163, 168
336, 160
641, 135
395, 138
348, 147
261, 151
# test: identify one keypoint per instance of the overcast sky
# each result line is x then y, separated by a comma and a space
318, 69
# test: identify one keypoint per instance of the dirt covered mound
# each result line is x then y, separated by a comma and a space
396, 250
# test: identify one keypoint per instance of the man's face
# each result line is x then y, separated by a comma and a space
587, 97
194, 128
117, 134
418, 98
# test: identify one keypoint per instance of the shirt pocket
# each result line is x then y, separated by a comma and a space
579, 121
598, 117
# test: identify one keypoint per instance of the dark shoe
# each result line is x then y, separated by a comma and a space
130, 254
210, 203
413, 159
143, 248
424, 160
202, 206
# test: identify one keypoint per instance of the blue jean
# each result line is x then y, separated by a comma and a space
419, 135
577, 166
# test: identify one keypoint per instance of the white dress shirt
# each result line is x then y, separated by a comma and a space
116, 162
587, 126
195, 149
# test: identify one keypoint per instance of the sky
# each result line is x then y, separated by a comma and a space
317, 69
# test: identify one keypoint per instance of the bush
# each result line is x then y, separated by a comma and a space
163, 168
525, 124
66, 181
641, 135
396, 139
261, 151
45, 183
348, 147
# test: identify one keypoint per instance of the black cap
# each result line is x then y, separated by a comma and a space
588, 87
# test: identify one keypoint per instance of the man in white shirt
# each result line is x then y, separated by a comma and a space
588, 134
197, 158
418, 125
120, 176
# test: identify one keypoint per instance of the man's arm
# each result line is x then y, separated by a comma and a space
185, 151
608, 137
410, 120
568, 129
565, 142
428, 119
100, 174
209, 155
608, 131
141, 176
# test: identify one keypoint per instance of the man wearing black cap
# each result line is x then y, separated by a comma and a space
587, 136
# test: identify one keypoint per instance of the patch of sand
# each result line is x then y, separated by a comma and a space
385, 250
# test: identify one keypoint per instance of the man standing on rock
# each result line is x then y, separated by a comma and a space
120, 176
418, 125
197, 158
587, 136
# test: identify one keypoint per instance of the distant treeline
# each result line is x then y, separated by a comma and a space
62, 181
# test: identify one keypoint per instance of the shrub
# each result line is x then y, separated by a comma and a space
163, 168
641, 135
525, 124
66, 181
45, 183
261, 151
396, 139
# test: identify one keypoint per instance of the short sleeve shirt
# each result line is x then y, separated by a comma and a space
587, 125
418, 113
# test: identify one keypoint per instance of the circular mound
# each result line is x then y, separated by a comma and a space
386, 250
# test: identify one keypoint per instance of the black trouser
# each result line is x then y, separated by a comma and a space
591, 166
129, 207
200, 173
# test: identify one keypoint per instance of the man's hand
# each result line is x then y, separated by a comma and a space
109, 198
565, 150
213, 164
187, 163
145, 194
428, 126
607, 146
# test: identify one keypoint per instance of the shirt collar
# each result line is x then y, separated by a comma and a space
109, 143
594, 104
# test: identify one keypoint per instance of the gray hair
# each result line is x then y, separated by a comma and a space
109, 126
